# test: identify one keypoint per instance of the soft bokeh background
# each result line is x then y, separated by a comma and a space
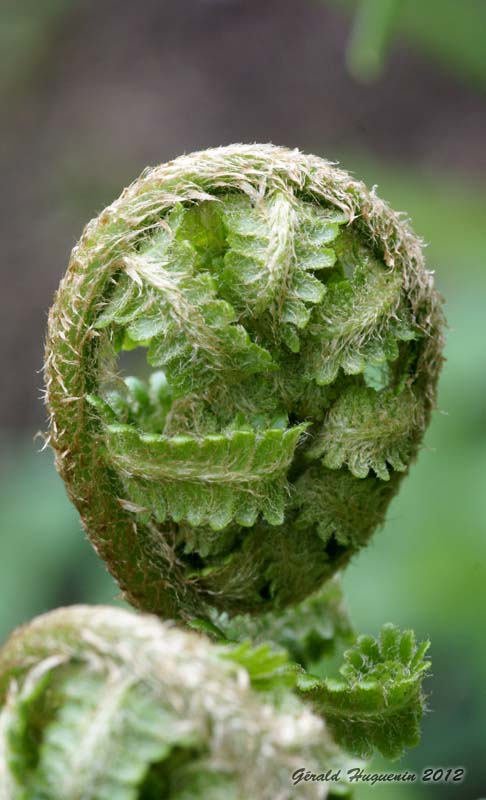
394, 90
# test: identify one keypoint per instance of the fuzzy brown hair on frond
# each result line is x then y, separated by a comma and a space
293, 343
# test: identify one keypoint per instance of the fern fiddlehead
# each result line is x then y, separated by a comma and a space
375, 702
294, 337
97, 703
294, 341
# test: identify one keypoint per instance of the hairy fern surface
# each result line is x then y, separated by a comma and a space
292, 338
375, 702
104, 704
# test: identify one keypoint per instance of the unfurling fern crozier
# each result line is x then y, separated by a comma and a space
292, 342
98, 703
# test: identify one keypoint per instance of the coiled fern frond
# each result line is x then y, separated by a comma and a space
294, 339
376, 700
101, 703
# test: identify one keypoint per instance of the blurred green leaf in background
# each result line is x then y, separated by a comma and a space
451, 32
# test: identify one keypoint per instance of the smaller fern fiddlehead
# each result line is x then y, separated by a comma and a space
98, 703
295, 341
375, 702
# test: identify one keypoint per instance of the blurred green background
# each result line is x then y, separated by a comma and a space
393, 90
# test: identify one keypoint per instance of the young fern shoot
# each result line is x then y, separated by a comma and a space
98, 703
294, 341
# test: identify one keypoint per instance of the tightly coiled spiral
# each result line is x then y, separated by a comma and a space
98, 703
295, 340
